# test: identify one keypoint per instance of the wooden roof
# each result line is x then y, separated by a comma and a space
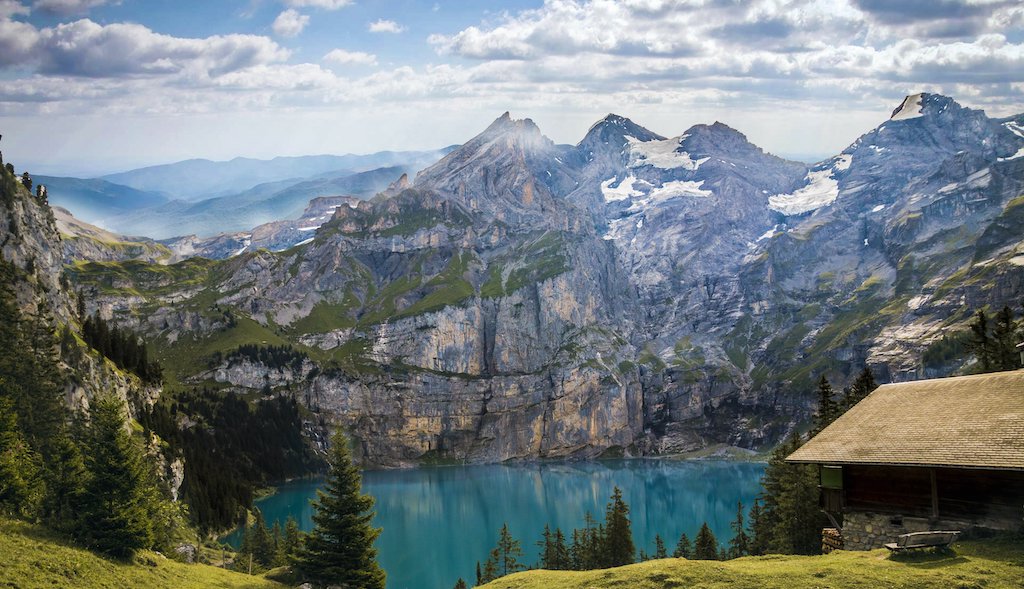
965, 421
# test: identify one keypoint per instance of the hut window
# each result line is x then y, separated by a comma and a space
831, 477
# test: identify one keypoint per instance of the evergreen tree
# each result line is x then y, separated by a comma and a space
759, 533
791, 518
659, 547
262, 544
862, 386
547, 549
292, 537
65, 485
340, 550
705, 547
684, 548
20, 484
740, 543
562, 560
509, 552
1004, 341
460, 584
618, 536
115, 513
491, 567
826, 406
980, 342
479, 575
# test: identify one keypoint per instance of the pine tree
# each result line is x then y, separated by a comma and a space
562, 560
618, 548
862, 386
792, 520
980, 342
684, 548
740, 543
65, 485
460, 584
20, 484
1004, 341
705, 547
826, 406
292, 537
479, 575
115, 514
659, 547
547, 549
340, 550
759, 532
491, 567
262, 543
509, 552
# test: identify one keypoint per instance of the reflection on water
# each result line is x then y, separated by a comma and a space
438, 522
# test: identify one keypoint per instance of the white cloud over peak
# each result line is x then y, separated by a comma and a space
289, 23
385, 26
343, 57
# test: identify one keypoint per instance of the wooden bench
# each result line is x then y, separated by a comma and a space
936, 539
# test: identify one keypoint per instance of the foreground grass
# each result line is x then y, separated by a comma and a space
31, 557
973, 565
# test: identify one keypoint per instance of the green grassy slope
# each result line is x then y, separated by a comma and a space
31, 557
989, 564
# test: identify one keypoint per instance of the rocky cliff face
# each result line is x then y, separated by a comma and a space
628, 294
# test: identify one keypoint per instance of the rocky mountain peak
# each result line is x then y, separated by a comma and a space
924, 105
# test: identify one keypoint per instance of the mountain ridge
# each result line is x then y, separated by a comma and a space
522, 299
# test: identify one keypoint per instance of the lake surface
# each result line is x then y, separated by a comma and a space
438, 522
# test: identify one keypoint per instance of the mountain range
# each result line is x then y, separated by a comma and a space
630, 294
205, 198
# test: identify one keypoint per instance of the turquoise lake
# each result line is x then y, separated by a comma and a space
438, 522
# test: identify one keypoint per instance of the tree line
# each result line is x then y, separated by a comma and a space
230, 448
121, 347
276, 357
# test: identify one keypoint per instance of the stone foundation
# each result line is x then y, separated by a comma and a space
867, 531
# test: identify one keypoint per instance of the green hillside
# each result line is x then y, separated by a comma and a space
975, 564
31, 557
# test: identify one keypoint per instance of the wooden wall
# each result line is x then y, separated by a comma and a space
979, 496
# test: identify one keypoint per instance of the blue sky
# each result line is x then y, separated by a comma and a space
94, 86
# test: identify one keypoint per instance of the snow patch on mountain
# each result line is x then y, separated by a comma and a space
910, 109
1017, 130
623, 191
822, 189
661, 154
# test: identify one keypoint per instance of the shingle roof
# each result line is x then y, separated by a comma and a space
966, 421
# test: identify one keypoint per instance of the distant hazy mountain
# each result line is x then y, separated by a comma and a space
96, 200
260, 204
199, 179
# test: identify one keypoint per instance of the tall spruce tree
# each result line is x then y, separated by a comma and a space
115, 510
827, 411
509, 551
684, 548
340, 550
659, 547
66, 478
21, 486
562, 559
618, 546
980, 342
460, 584
759, 532
705, 546
1004, 341
739, 545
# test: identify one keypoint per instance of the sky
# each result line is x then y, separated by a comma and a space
96, 86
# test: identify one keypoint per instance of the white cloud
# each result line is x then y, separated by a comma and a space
385, 26
324, 4
290, 23
85, 48
9, 8
342, 57
66, 7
